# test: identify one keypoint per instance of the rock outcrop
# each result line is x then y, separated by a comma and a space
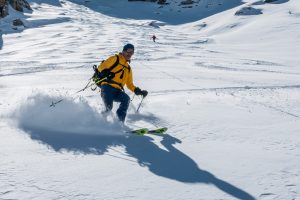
18, 5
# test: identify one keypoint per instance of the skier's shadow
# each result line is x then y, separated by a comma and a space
77, 143
176, 165
170, 163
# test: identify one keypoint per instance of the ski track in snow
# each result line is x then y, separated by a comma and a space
182, 73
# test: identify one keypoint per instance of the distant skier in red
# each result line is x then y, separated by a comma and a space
153, 38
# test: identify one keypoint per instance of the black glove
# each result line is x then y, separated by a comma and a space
108, 74
138, 91
97, 74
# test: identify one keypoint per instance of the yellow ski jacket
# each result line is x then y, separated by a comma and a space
123, 72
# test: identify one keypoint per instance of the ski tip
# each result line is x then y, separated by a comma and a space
159, 130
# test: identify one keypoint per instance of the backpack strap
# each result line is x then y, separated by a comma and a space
115, 64
111, 68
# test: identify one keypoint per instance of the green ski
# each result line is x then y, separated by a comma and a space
144, 131
158, 130
141, 131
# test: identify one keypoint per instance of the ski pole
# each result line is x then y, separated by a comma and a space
140, 104
87, 86
132, 97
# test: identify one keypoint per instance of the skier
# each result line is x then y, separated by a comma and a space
153, 38
117, 71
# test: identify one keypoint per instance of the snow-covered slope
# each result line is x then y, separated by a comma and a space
227, 87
